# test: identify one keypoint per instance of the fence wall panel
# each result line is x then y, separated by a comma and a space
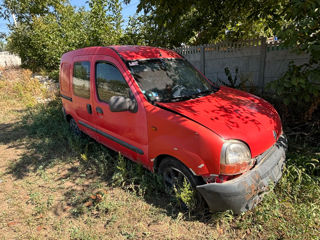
258, 61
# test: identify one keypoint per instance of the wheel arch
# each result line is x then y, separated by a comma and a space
161, 157
67, 116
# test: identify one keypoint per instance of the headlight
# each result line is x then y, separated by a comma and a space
235, 158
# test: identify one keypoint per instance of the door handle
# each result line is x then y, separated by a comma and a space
99, 110
89, 109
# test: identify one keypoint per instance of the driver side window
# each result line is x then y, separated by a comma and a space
110, 82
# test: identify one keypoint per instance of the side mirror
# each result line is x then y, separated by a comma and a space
122, 104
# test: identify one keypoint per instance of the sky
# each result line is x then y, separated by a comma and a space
127, 10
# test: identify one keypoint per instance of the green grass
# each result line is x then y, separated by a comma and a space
78, 189
291, 210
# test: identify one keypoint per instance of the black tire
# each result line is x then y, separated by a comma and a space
174, 174
74, 128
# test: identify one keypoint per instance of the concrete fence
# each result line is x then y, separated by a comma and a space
258, 61
9, 60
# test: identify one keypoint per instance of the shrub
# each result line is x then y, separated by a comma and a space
299, 90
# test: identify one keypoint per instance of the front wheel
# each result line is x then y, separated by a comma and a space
181, 184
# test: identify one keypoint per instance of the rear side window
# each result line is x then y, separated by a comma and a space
81, 79
64, 77
110, 82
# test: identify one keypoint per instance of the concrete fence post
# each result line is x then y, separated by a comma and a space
263, 51
202, 60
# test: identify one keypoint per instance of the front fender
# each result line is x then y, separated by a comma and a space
190, 159
191, 143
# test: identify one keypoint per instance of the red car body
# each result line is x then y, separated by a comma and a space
192, 131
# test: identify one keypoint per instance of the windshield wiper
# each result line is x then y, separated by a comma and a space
192, 96
204, 93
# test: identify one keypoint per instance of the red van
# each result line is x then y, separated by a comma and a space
155, 108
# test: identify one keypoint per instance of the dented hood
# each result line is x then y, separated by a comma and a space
233, 114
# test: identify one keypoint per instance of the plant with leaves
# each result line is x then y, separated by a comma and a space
300, 27
238, 82
2, 45
42, 39
299, 90
104, 22
25, 10
139, 31
300, 30
41, 43
202, 22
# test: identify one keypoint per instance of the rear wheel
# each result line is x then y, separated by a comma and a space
74, 128
181, 184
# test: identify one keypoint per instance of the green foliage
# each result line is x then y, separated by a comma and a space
24, 10
2, 45
24, 87
43, 39
186, 195
120, 176
139, 31
104, 22
238, 82
77, 233
299, 90
232, 82
300, 27
41, 203
295, 22
135, 178
201, 22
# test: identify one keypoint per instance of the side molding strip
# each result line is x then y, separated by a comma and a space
122, 143
66, 97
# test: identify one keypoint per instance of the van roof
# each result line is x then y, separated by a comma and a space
134, 52
127, 52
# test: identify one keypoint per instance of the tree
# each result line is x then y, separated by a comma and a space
104, 22
299, 88
42, 39
199, 22
140, 31
2, 45
41, 42
295, 22
25, 10
300, 27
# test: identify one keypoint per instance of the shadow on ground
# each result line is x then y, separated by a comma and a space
46, 137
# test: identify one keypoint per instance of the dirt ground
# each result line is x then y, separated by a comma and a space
61, 201
41, 205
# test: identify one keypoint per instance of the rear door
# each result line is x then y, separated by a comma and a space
81, 87
123, 131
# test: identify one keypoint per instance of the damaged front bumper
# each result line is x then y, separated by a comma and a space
245, 191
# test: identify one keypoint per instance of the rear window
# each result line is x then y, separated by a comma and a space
81, 79
64, 75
